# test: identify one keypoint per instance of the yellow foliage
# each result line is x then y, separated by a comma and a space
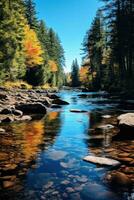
84, 74
53, 66
32, 135
16, 84
33, 51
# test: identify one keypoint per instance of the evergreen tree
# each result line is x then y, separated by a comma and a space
75, 74
12, 61
30, 13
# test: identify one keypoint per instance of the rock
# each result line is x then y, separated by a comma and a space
2, 130
32, 108
3, 96
17, 112
126, 119
69, 189
126, 125
106, 116
119, 179
78, 111
6, 111
60, 102
53, 96
46, 101
125, 160
57, 155
26, 118
8, 184
65, 182
7, 119
101, 161
3, 156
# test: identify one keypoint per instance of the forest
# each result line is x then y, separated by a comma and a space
108, 49
30, 52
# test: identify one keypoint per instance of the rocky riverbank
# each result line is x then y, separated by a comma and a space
20, 105
116, 134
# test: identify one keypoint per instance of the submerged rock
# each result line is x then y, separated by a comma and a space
101, 160
119, 179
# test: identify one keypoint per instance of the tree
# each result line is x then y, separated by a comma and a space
75, 74
33, 51
84, 75
94, 46
30, 13
12, 61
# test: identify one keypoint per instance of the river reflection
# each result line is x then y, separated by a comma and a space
21, 145
43, 159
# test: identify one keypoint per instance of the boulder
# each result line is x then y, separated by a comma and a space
126, 126
6, 111
32, 108
126, 120
7, 119
119, 179
60, 102
101, 161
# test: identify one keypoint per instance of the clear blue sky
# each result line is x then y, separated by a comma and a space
70, 19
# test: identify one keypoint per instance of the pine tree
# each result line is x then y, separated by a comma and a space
30, 13
12, 25
75, 74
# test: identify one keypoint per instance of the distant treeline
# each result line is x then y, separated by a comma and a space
29, 50
109, 47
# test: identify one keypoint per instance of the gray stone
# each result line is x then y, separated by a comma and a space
101, 160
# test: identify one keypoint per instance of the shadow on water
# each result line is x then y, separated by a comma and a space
43, 159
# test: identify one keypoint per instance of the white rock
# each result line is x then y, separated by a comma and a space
106, 116
126, 119
101, 160
2, 130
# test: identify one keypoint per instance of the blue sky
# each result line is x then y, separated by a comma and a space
70, 19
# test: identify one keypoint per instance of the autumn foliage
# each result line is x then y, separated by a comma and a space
33, 51
53, 66
84, 74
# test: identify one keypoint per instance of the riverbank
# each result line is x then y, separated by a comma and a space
20, 105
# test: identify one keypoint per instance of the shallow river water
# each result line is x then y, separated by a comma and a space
43, 159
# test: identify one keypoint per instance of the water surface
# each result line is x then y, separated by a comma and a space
43, 159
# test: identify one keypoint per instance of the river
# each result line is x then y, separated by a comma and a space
43, 159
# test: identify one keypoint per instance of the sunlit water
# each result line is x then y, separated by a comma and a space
43, 159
